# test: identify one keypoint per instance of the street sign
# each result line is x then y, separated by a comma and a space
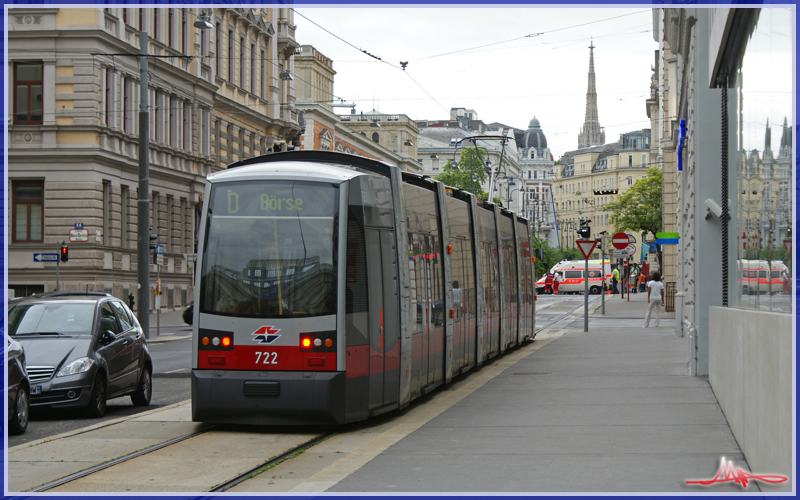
667, 241
586, 247
79, 235
190, 257
667, 235
160, 255
787, 244
45, 257
631, 238
624, 253
620, 240
79, 225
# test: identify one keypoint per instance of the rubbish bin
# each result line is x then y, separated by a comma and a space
670, 288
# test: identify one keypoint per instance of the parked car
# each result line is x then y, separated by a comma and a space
188, 312
82, 349
18, 388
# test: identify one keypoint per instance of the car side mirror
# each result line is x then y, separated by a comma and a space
107, 337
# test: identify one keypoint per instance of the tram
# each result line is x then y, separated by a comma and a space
332, 287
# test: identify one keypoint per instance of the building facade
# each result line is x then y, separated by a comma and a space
536, 169
614, 166
728, 76
214, 96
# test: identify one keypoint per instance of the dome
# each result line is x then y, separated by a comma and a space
534, 137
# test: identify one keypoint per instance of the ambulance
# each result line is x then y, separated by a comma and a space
572, 276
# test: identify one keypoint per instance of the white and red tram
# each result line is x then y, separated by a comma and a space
332, 287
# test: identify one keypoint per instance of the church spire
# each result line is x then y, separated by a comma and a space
591, 134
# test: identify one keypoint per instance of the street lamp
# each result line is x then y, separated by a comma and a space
472, 180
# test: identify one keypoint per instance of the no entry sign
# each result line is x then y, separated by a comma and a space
620, 241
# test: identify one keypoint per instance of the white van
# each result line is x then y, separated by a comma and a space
572, 276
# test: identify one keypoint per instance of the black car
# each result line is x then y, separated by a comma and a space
18, 388
188, 312
82, 348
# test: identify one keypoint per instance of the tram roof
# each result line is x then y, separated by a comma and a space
287, 170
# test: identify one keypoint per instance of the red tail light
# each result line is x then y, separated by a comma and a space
226, 341
306, 342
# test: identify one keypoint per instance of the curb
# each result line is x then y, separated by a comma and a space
167, 338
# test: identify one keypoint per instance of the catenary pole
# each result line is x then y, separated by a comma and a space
143, 205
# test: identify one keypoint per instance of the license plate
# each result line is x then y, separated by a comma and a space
37, 389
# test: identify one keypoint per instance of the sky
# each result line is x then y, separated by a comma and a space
530, 62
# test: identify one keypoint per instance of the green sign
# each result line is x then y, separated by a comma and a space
667, 235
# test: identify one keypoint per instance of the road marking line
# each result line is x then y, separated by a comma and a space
178, 370
344, 467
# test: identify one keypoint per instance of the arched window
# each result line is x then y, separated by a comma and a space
375, 137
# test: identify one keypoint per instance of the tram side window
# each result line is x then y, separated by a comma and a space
356, 290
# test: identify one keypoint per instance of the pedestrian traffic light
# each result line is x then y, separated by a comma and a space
64, 252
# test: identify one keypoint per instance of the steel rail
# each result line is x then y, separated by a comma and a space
111, 463
273, 461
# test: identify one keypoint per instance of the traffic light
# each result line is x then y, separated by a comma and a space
64, 252
153, 246
584, 231
602, 192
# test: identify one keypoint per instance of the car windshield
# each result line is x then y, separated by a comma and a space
51, 317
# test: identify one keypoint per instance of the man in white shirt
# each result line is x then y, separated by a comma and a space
655, 299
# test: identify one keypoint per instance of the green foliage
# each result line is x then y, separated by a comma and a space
470, 162
639, 208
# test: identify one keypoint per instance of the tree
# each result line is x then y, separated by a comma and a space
470, 162
639, 208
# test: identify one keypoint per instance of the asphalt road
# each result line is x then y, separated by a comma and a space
171, 384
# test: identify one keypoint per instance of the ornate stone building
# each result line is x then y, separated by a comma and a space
536, 169
215, 96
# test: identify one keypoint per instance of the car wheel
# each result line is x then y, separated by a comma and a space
97, 400
144, 390
19, 422
595, 290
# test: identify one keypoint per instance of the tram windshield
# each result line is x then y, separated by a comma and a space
270, 250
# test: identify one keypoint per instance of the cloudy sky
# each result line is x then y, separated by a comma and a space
508, 64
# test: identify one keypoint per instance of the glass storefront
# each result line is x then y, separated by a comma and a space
764, 162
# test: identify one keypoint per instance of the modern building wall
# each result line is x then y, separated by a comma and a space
750, 355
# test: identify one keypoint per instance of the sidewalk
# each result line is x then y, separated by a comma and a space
172, 327
610, 410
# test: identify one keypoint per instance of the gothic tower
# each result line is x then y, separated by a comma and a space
591, 133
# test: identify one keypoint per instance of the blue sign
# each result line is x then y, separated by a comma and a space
45, 257
79, 225
667, 241
160, 249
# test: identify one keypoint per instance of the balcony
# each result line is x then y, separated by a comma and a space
286, 41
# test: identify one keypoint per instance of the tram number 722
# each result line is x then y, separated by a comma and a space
270, 358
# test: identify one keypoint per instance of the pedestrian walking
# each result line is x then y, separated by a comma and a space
642, 282
786, 283
655, 299
556, 281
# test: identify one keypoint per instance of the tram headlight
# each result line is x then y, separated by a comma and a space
317, 342
215, 341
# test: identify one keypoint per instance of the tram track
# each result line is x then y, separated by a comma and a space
117, 461
271, 462
564, 316
288, 454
